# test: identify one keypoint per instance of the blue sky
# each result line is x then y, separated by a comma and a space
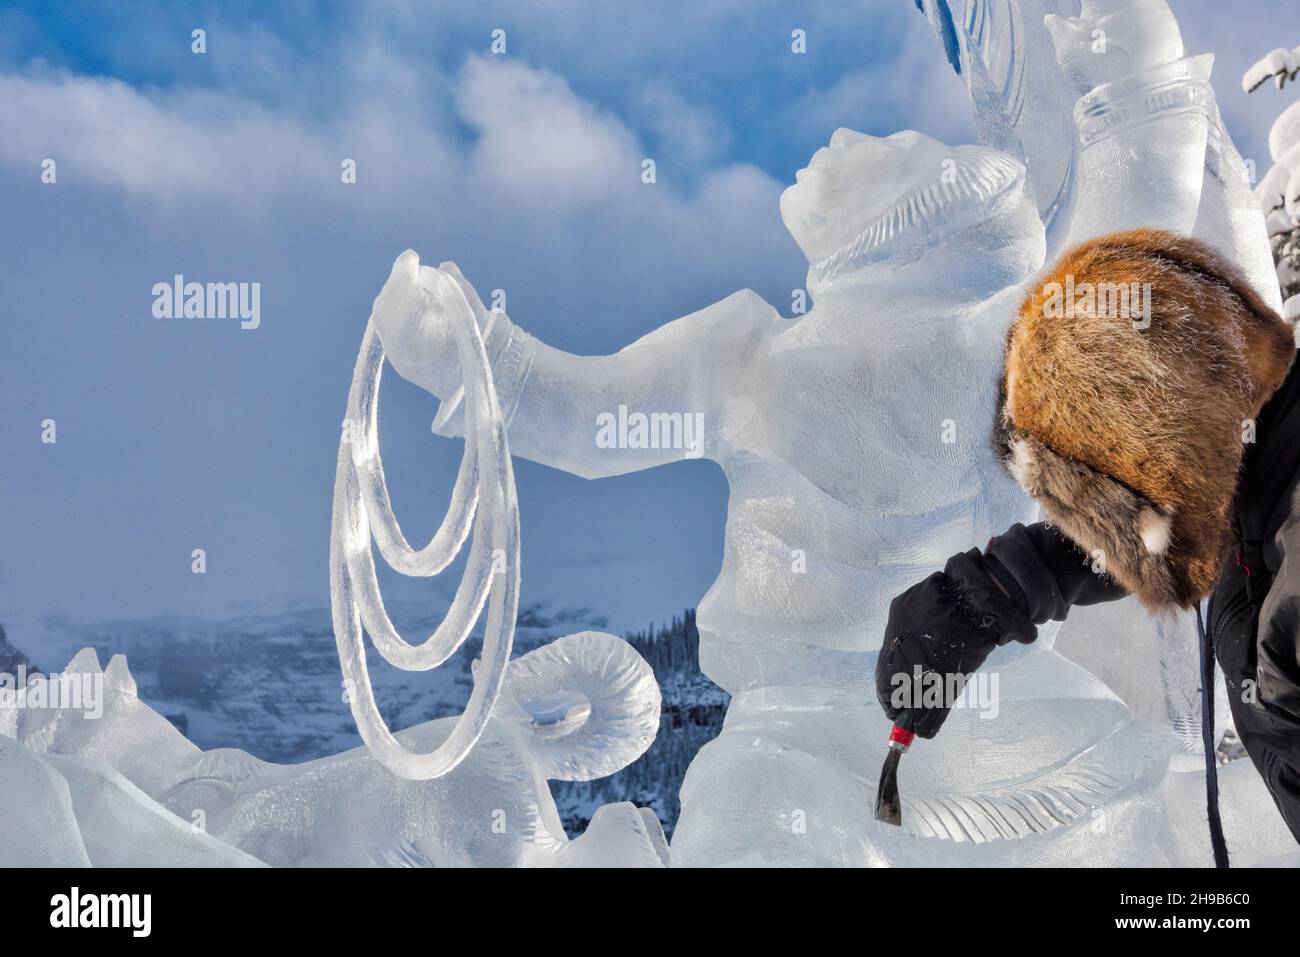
523, 168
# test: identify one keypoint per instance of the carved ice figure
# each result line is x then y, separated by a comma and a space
76, 780
111, 725
579, 708
126, 788
39, 826
854, 440
484, 495
1051, 79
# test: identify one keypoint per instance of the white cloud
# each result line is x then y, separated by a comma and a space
535, 143
103, 131
686, 132
539, 141
916, 89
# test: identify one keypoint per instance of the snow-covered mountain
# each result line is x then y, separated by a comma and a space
270, 684
11, 657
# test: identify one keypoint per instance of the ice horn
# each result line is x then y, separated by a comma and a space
483, 501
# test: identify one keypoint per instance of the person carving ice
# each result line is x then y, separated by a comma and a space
1164, 446
854, 440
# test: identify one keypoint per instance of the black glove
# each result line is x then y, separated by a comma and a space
947, 625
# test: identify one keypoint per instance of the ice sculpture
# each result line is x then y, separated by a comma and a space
76, 782
599, 723
578, 708
484, 493
130, 736
39, 826
854, 440
118, 785
1022, 98
100, 778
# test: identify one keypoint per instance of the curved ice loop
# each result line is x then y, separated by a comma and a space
430, 560
446, 542
588, 703
485, 495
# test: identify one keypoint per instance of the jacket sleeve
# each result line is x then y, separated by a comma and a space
1045, 573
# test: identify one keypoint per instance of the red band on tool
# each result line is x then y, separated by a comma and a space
902, 736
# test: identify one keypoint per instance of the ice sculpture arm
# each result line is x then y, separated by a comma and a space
658, 400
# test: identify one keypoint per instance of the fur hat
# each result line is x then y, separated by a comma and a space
1133, 374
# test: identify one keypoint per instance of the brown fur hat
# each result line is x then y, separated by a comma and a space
1133, 374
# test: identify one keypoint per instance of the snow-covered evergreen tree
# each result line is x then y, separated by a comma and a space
1279, 189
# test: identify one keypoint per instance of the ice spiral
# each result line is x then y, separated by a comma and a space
483, 501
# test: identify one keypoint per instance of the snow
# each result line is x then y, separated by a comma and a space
1278, 191
1284, 135
1280, 66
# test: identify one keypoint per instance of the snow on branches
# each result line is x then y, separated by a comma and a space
1280, 65
1279, 190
